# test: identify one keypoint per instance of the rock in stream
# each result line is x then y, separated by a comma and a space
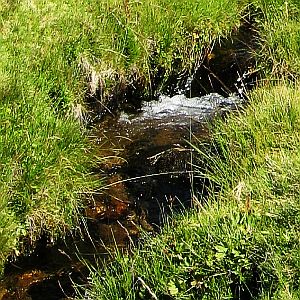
148, 149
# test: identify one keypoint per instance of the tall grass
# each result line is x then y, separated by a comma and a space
257, 168
278, 24
243, 243
44, 171
62, 44
54, 54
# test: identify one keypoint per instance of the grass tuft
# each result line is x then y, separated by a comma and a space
55, 54
278, 24
244, 242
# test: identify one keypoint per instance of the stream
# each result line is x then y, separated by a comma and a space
148, 168
149, 174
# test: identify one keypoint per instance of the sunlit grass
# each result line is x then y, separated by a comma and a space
243, 242
60, 43
279, 27
44, 171
55, 53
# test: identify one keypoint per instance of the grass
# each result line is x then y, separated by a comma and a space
71, 48
54, 55
243, 243
44, 172
278, 24
257, 169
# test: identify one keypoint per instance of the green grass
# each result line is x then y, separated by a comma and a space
56, 53
244, 241
73, 47
44, 171
279, 28
257, 168
53, 55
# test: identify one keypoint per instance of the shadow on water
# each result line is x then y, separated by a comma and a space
148, 170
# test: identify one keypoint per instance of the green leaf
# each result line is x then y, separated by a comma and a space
221, 249
173, 290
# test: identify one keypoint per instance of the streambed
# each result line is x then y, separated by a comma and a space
147, 165
149, 159
149, 173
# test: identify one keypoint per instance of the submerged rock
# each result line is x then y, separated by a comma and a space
154, 158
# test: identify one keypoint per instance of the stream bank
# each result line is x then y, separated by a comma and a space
38, 84
148, 166
243, 243
149, 170
226, 66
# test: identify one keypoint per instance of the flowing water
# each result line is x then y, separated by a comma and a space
148, 168
149, 173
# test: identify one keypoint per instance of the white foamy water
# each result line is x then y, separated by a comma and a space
180, 106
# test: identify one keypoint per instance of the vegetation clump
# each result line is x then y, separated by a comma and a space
244, 242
